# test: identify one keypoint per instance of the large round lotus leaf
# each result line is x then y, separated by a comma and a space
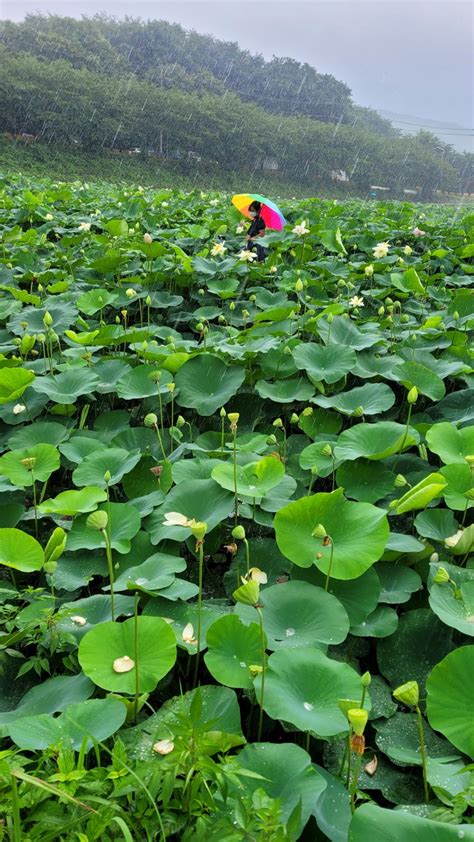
46, 462
183, 613
321, 422
342, 331
190, 469
233, 648
286, 773
78, 447
380, 623
115, 460
426, 381
450, 690
95, 719
109, 372
299, 614
397, 582
459, 479
437, 524
448, 779
52, 695
66, 386
358, 596
216, 716
324, 362
315, 456
368, 365
201, 499
153, 653
154, 574
372, 822
285, 391
93, 610
399, 739
124, 523
94, 300
358, 533
374, 441
13, 382
205, 383
254, 479
40, 432
137, 383
74, 502
412, 651
454, 607
367, 400
304, 688
332, 811
450, 443
365, 481
20, 551
457, 407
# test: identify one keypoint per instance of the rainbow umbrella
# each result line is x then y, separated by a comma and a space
270, 213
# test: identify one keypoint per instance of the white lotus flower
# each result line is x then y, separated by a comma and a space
381, 250
214, 202
369, 271
247, 255
49, 217
407, 250
163, 747
454, 539
177, 519
218, 249
147, 238
130, 292
165, 204
418, 232
85, 226
240, 228
188, 634
78, 620
124, 664
301, 229
356, 301
273, 269
19, 408
257, 575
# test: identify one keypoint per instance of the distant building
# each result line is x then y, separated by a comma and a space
339, 175
270, 165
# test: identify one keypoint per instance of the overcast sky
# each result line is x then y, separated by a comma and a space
414, 57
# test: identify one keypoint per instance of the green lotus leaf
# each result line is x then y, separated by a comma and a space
92, 610
95, 719
45, 460
285, 773
20, 551
415, 647
358, 596
181, 613
332, 811
344, 332
449, 693
137, 384
459, 479
447, 780
453, 603
54, 694
13, 382
254, 479
147, 641
426, 381
382, 622
397, 582
399, 739
285, 391
365, 481
154, 574
304, 690
366, 400
327, 363
437, 524
80, 446
233, 648
358, 534
74, 502
68, 385
124, 523
315, 456
40, 432
94, 300
372, 822
206, 383
94, 466
451, 444
203, 500
374, 441
299, 614
421, 494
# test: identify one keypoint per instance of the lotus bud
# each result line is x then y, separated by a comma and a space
455, 315
299, 286
201, 291
423, 452
369, 270
294, 418
29, 463
470, 460
163, 747
117, 320
278, 423
252, 298
393, 504
412, 396
358, 411
287, 351
130, 293
232, 306
400, 481
124, 313
238, 533
199, 529
358, 720
150, 420
381, 310
366, 679
199, 326
441, 576
47, 319
307, 411
180, 422
245, 314
222, 413
314, 471
408, 694
107, 477
434, 558
341, 283
97, 520
40, 287
50, 567
221, 319
326, 450
233, 418
171, 387
247, 594
469, 495
271, 439
319, 531
330, 318
144, 345
148, 301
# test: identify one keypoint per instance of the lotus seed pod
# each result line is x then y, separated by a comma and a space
400, 481
470, 460
29, 462
441, 576
97, 520
150, 420
358, 719
366, 679
307, 411
199, 529
234, 418
412, 396
252, 298
319, 531
255, 670
327, 450
278, 423
238, 533
294, 418
247, 594
381, 310
408, 694
180, 422
271, 439
50, 567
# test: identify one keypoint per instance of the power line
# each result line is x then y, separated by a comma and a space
426, 126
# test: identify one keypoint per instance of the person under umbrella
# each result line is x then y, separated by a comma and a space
256, 229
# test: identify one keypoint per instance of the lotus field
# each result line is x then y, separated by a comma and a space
237, 542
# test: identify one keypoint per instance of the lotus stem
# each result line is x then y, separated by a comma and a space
135, 656
328, 577
355, 779
35, 503
17, 834
236, 503
160, 441
200, 547
422, 752
110, 565
247, 555
349, 758
262, 686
